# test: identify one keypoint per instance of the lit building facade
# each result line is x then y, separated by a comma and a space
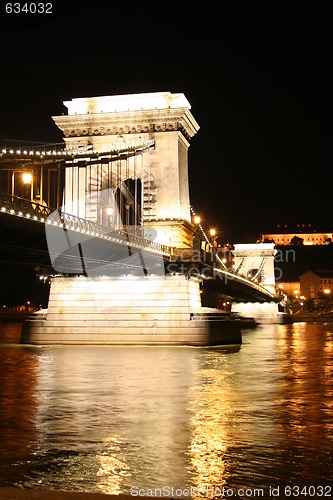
308, 238
313, 283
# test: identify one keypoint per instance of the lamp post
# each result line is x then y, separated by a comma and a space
212, 241
127, 208
109, 212
13, 182
197, 239
212, 237
28, 179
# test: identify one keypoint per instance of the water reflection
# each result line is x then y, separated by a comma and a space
113, 467
124, 406
305, 408
17, 402
234, 439
213, 414
105, 419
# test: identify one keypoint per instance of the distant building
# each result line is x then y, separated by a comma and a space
314, 282
289, 288
308, 238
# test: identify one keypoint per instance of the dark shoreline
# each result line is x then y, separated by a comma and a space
20, 316
14, 316
308, 318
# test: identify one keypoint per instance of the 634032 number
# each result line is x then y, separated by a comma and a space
28, 8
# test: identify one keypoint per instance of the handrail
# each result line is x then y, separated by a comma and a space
14, 205
22, 149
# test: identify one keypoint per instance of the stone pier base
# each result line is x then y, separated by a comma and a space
163, 310
266, 312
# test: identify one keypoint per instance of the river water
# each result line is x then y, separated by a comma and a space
253, 420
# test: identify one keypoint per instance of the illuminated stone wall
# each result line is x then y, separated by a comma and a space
250, 258
129, 310
111, 122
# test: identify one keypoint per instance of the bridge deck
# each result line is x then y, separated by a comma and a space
24, 225
29, 210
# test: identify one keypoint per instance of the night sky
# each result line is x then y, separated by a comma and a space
258, 78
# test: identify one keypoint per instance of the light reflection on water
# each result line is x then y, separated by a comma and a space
104, 419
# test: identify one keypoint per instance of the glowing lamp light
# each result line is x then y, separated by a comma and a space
109, 211
327, 291
27, 178
212, 232
197, 220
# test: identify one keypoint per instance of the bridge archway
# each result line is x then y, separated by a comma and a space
128, 201
254, 274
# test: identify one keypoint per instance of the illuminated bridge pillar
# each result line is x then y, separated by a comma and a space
255, 261
102, 124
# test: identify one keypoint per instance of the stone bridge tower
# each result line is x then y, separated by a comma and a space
256, 262
109, 123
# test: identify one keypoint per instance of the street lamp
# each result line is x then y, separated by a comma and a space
127, 208
213, 238
27, 179
109, 212
197, 239
212, 241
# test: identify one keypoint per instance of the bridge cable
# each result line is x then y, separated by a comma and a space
207, 239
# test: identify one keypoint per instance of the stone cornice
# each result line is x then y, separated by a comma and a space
128, 122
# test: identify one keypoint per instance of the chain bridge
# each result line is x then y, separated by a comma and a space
112, 202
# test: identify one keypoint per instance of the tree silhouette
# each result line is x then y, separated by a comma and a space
297, 241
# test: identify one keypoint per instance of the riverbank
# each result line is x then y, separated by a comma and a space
308, 318
14, 316
23, 494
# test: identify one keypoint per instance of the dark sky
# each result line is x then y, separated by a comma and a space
258, 77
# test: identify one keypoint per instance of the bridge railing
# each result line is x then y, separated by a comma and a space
130, 235
21, 149
23, 208
13, 146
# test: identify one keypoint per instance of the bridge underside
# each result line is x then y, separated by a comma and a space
23, 241
236, 289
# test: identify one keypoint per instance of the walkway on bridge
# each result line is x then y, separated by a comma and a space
105, 248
